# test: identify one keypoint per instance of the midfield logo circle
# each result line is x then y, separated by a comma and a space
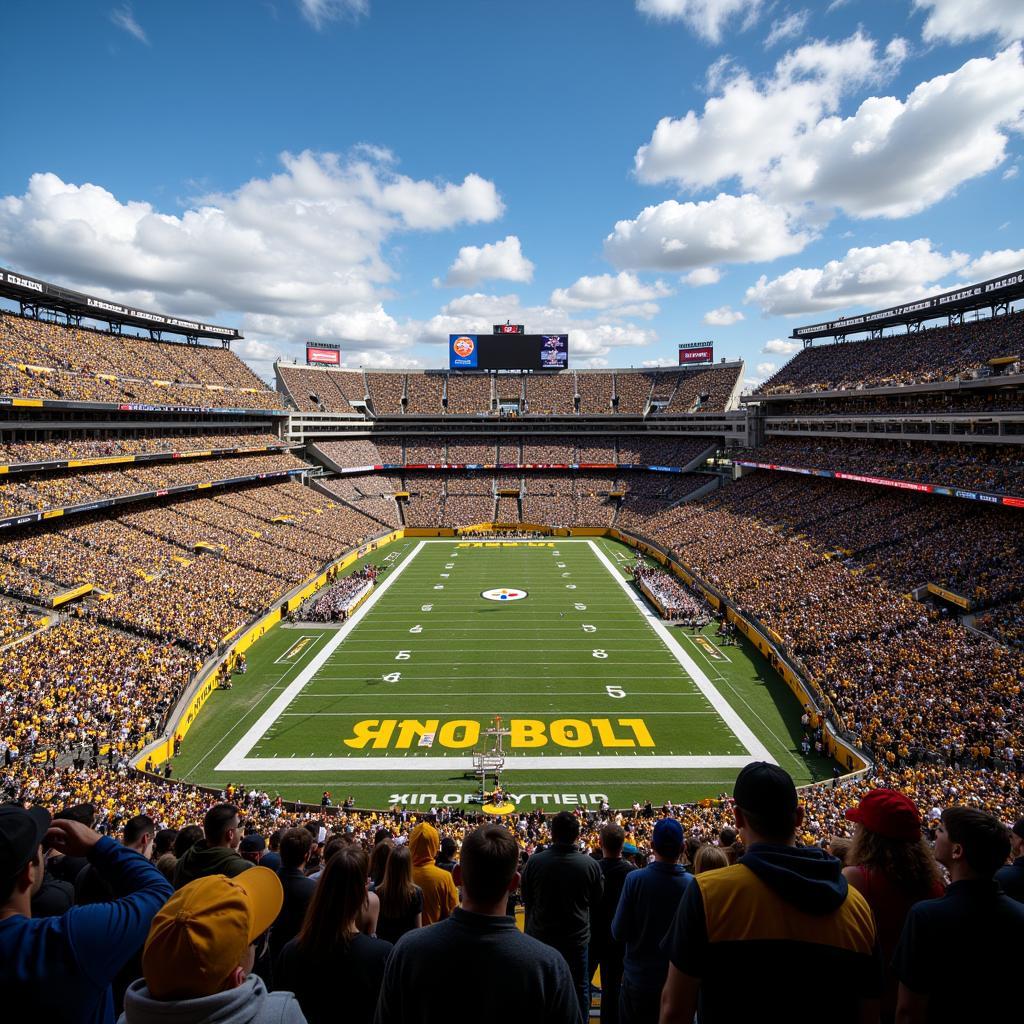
503, 594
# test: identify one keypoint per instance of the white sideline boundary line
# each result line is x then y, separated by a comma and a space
757, 750
237, 754
237, 759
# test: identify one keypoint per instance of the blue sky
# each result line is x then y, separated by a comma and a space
637, 173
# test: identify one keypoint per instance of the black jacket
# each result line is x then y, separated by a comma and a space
298, 891
561, 888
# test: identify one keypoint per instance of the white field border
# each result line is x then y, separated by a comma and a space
237, 759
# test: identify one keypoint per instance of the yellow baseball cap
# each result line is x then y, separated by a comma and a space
201, 933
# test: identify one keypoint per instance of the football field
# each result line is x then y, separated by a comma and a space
544, 645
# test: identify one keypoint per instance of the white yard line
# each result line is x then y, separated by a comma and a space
757, 750
554, 763
267, 719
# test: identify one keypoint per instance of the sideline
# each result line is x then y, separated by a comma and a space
237, 755
757, 750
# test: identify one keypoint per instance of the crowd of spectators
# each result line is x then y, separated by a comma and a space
320, 389
219, 902
74, 447
997, 468
551, 394
188, 570
949, 400
334, 602
956, 352
45, 360
16, 621
386, 393
677, 601
468, 394
879, 661
35, 491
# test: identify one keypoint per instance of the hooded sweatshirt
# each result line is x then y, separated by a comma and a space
781, 921
250, 1003
440, 897
201, 860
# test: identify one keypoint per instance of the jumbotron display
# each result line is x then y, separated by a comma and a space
508, 351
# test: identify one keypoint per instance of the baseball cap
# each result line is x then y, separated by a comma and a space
252, 843
765, 790
888, 813
667, 837
200, 935
21, 832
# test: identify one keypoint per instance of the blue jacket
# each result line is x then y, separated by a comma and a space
645, 913
60, 968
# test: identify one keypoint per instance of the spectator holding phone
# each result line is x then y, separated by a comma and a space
60, 968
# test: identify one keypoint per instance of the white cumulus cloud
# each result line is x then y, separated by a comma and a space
724, 316
296, 254
606, 291
706, 18
750, 123
494, 261
993, 264
956, 21
726, 229
869, 276
893, 157
702, 276
786, 28
779, 346
766, 369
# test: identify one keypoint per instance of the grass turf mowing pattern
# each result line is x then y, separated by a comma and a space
474, 658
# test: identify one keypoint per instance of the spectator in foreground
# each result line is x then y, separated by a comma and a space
197, 962
709, 858
892, 867
217, 852
975, 929
604, 951
1011, 876
520, 979
296, 845
561, 887
60, 968
330, 957
648, 904
742, 929
446, 856
440, 897
401, 901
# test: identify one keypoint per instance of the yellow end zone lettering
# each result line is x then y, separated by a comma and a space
524, 733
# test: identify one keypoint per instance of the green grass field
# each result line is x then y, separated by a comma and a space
596, 696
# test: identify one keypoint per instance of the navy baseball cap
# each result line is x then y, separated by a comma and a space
21, 832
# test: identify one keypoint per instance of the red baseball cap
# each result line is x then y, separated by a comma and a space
888, 813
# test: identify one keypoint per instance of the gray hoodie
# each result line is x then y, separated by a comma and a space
250, 1003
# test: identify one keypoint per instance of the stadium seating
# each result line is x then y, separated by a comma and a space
71, 364
938, 354
996, 468
436, 393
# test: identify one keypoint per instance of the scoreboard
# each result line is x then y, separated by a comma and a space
508, 351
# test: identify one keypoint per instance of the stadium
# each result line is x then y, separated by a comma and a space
353, 647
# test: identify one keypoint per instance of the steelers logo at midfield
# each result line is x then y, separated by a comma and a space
503, 594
